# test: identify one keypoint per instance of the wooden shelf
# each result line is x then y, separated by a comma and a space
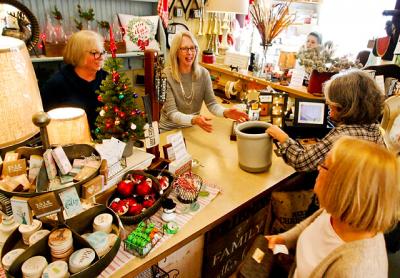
44, 59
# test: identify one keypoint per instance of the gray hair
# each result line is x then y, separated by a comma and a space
173, 56
79, 44
356, 96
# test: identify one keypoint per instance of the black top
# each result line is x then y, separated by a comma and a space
66, 89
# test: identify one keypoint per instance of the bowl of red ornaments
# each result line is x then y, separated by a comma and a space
187, 187
139, 194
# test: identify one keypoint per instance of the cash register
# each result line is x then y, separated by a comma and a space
309, 120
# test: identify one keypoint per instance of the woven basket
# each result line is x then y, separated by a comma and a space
130, 220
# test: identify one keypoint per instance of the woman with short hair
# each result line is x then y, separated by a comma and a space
189, 85
358, 190
355, 103
77, 81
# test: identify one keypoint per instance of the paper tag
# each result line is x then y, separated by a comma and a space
280, 248
297, 77
70, 201
258, 255
152, 136
21, 210
45, 204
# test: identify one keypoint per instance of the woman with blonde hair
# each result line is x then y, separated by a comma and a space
189, 85
355, 104
358, 190
77, 81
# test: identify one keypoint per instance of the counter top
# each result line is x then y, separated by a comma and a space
248, 76
219, 165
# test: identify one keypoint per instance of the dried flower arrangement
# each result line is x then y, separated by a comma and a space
322, 60
270, 21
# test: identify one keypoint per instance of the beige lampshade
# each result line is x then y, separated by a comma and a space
224, 6
68, 125
19, 93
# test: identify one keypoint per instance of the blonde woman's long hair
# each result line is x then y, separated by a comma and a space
362, 185
173, 56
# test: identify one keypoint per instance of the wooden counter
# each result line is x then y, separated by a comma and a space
219, 160
252, 82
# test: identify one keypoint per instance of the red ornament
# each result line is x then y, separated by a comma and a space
108, 125
135, 209
125, 86
116, 109
100, 98
143, 188
164, 182
130, 202
122, 114
121, 209
133, 113
148, 201
105, 108
115, 77
125, 188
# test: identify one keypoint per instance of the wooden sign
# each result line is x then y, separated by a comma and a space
226, 245
14, 168
45, 204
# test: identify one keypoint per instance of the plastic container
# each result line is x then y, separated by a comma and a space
208, 57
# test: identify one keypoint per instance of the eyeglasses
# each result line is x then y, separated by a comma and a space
96, 54
322, 165
186, 49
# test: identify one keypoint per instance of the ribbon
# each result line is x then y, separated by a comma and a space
113, 47
142, 44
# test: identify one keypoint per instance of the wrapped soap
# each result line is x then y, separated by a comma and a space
62, 160
85, 173
50, 164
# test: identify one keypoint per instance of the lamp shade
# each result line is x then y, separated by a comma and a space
68, 125
19, 93
232, 6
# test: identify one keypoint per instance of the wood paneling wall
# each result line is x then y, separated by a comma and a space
103, 9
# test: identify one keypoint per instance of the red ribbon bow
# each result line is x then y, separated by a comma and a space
142, 44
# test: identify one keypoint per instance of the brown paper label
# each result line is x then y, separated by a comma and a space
14, 168
45, 204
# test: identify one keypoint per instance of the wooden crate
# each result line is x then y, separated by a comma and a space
53, 49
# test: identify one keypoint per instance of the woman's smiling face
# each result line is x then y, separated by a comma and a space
186, 52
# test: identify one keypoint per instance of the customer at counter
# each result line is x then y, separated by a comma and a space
77, 81
189, 85
314, 40
355, 103
358, 191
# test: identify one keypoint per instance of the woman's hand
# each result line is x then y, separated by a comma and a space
277, 133
273, 240
203, 122
237, 115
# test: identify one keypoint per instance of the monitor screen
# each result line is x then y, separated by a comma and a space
310, 112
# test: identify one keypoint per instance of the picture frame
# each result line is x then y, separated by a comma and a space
310, 113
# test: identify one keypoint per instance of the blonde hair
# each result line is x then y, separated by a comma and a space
356, 96
173, 56
79, 44
362, 185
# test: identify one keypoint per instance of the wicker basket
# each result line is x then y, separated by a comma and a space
130, 220
53, 49
121, 46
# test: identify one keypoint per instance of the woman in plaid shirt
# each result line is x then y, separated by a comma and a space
355, 103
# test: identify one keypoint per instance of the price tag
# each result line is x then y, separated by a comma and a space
45, 204
71, 202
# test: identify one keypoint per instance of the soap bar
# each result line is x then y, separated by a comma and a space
85, 173
51, 168
62, 160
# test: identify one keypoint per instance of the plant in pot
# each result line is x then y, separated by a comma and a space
320, 65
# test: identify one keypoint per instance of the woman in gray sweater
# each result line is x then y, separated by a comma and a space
358, 190
189, 84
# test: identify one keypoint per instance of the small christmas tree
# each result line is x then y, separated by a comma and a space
119, 117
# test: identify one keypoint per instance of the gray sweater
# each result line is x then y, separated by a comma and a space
360, 258
178, 111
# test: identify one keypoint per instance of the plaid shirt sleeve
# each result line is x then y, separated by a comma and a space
306, 158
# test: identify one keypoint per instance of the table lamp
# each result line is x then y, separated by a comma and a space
68, 125
233, 7
20, 97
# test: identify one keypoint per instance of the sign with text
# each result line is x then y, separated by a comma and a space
226, 245
45, 204
71, 202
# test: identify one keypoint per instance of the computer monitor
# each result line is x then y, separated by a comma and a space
310, 112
